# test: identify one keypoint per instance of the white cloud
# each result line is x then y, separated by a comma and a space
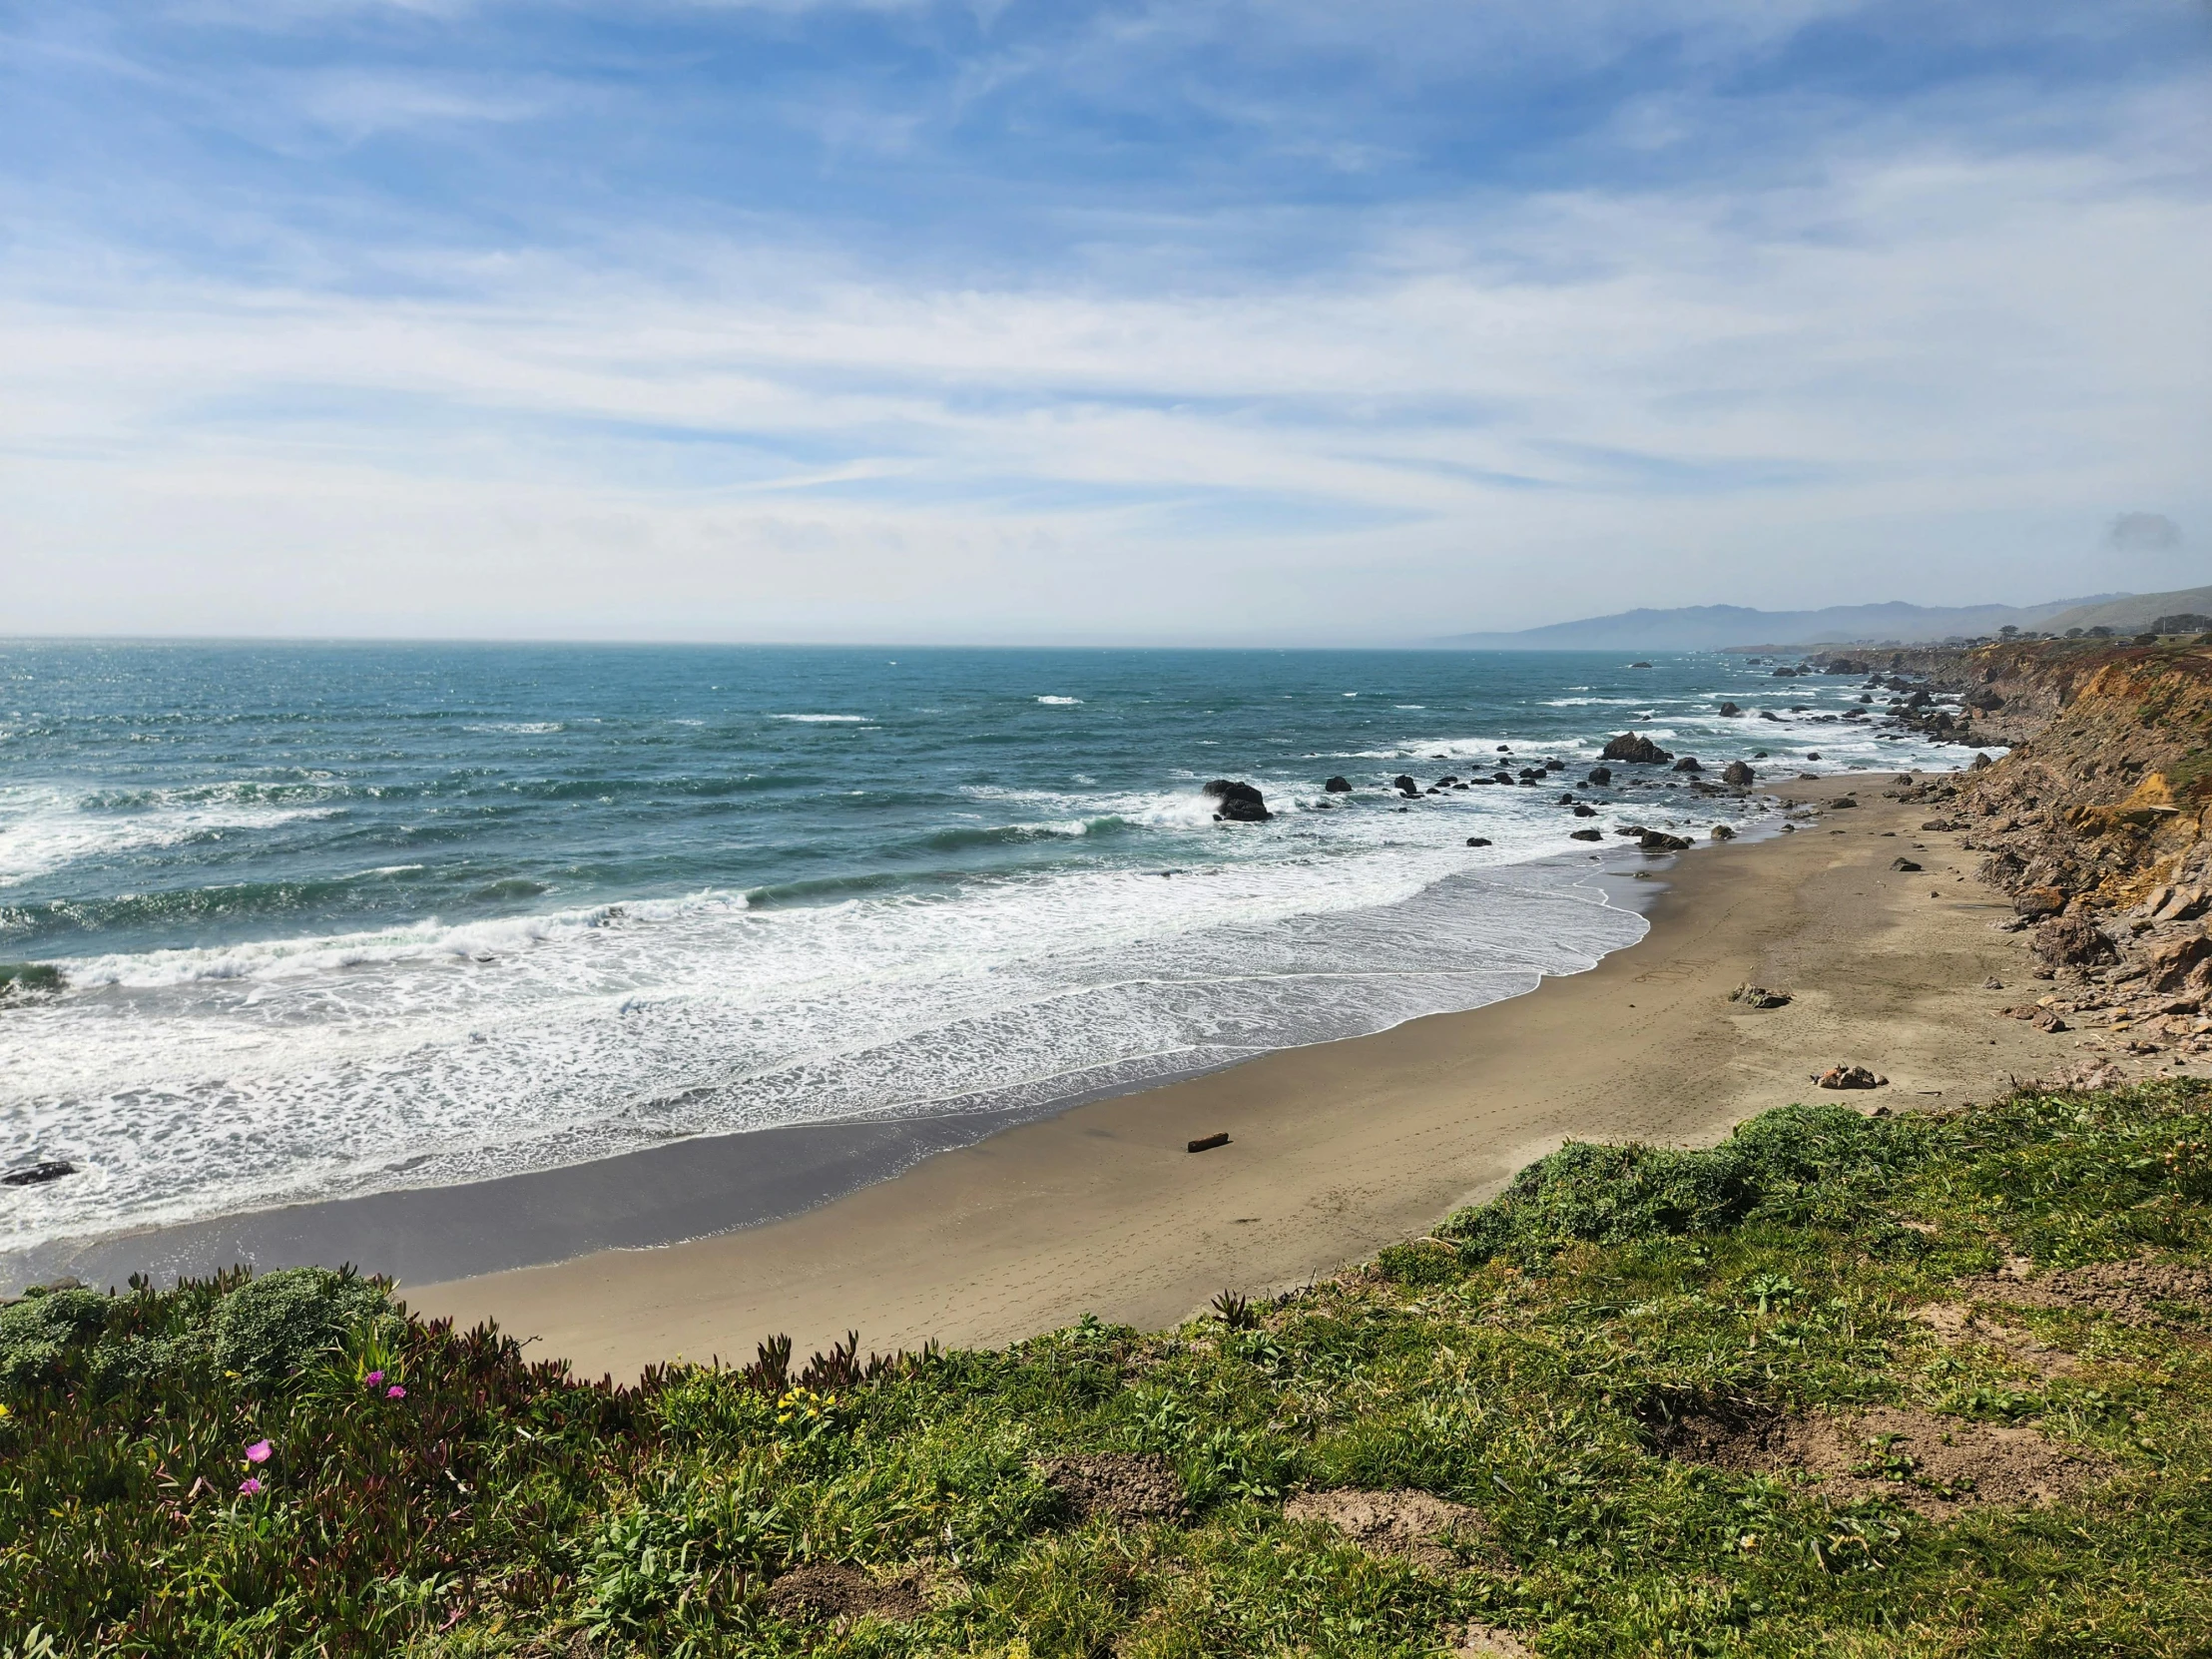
1922, 372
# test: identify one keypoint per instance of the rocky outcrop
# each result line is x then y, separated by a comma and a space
1688, 763
1237, 802
1338, 785
2096, 826
1599, 777
1739, 773
1638, 750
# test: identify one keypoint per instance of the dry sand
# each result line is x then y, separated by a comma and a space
1339, 1149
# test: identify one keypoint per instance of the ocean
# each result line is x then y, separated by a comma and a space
340, 918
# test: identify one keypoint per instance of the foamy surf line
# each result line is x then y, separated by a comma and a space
705, 1184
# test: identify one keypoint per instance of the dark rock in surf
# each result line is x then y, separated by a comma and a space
1599, 777
1639, 750
1478, 841
1688, 763
1240, 803
1338, 785
1658, 840
1586, 835
1739, 773
1405, 784
52, 1169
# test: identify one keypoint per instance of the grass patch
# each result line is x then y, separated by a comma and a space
412, 1489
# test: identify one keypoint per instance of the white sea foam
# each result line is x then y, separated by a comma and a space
519, 728
825, 719
191, 1082
45, 829
1062, 701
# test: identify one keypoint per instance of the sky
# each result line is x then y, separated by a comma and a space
1200, 321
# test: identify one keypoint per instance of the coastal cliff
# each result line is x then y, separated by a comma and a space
2095, 825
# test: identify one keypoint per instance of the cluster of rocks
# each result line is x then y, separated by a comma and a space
2094, 825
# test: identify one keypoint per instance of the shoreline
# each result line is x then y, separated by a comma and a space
1339, 1148
689, 1187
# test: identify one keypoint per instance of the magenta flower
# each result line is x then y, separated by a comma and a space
374, 1378
251, 1486
258, 1452
395, 1392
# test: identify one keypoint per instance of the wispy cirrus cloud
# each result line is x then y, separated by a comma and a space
1127, 322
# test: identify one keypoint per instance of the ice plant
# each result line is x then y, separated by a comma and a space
258, 1452
374, 1378
251, 1486
395, 1392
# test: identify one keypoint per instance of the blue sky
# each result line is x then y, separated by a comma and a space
1010, 321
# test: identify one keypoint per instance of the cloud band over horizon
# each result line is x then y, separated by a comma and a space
989, 323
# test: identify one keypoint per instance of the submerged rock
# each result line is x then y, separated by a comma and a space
52, 1169
1240, 803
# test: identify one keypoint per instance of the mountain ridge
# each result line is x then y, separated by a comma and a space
1720, 627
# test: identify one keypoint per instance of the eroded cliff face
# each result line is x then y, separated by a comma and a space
2095, 824
2105, 796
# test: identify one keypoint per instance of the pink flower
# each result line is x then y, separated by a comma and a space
395, 1392
258, 1452
374, 1378
251, 1486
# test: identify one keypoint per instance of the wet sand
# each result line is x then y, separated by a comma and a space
1339, 1149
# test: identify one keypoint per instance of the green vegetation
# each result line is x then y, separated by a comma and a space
429, 1493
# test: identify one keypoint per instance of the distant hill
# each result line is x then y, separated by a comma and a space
2131, 612
1717, 627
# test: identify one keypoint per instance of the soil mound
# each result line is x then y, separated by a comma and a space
1405, 1523
1126, 1488
831, 1592
1935, 1466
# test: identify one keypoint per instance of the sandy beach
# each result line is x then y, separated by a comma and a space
1340, 1149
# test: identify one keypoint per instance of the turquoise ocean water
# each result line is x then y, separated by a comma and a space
338, 919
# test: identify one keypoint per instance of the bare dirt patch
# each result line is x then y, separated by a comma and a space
1126, 1488
1404, 1522
1958, 1322
1935, 1466
1484, 1641
821, 1592
2129, 1292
